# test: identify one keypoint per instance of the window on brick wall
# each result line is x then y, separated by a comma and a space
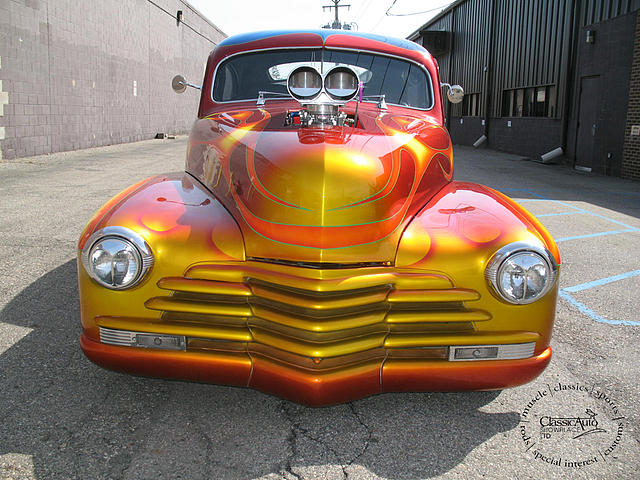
529, 102
471, 105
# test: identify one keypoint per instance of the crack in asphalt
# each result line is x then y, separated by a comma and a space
211, 460
292, 438
298, 430
123, 460
367, 441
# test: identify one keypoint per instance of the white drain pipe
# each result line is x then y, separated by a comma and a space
552, 155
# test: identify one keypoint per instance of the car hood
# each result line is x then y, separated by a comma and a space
330, 194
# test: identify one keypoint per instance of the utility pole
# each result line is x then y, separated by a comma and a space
336, 23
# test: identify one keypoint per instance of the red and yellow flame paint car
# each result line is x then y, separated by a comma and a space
317, 247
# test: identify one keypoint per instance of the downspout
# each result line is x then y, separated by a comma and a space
449, 75
488, 78
570, 75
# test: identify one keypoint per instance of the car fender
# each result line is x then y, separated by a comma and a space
182, 223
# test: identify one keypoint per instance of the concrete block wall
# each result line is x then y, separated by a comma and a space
83, 74
530, 137
465, 130
631, 149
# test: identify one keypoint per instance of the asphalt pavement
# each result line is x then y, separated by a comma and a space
61, 417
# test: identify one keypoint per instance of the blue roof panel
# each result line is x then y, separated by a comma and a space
324, 34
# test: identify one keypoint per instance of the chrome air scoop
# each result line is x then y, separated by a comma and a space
321, 96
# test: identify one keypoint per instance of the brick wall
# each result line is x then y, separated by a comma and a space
631, 150
605, 66
77, 74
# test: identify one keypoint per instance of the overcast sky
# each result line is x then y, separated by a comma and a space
238, 16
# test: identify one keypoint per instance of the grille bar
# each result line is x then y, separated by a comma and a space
318, 303
330, 324
171, 304
318, 349
236, 333
204, 286
312, 312
313, 280
438, 316
427, 296
417, 340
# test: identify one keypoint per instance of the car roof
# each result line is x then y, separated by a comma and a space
322, 37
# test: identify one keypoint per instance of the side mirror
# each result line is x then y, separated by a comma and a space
179, 84
455, 93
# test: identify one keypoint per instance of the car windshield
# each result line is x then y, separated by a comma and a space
241, 77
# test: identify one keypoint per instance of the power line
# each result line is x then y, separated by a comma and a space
390, 6
385, 13
363, 9
413, 13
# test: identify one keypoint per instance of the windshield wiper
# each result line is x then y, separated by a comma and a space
382, 104
261, 100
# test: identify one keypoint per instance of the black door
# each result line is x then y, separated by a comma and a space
587, 122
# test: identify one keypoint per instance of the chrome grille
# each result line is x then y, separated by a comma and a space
316, 314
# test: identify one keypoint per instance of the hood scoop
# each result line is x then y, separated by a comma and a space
321, 97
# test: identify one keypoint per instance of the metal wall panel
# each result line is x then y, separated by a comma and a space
444, 61
594, 11
532, 44
530, 35
470, 37
443, 24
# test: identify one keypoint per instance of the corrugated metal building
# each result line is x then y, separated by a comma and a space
540, 75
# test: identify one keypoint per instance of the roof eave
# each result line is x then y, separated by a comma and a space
413, 36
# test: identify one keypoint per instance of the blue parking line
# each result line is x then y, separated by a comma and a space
617, 222
600, 234
542, 198
578, 209
565, 293
602, 281
593, 315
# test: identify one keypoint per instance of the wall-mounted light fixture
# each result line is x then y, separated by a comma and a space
591, 36
178, 17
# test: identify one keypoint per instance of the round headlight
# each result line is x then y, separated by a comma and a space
521, 273
116, 257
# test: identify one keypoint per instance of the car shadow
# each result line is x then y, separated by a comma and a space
76, 420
